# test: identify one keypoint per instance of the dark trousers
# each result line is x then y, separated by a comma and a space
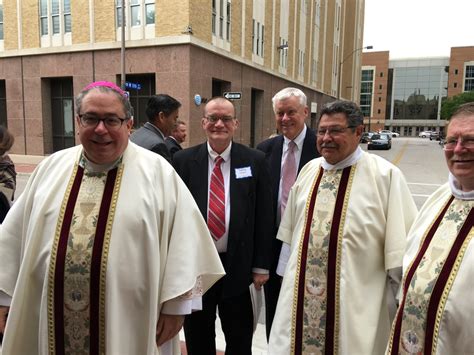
236, 317
272, 291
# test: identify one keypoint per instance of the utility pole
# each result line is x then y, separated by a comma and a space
122, 49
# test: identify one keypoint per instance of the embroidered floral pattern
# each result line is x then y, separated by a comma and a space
78, 264
315, 299
421, 286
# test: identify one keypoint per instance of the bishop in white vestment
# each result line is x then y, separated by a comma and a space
104, 246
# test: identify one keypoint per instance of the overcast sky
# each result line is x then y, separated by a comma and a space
418, 28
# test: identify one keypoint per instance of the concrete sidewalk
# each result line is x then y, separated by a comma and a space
26, 164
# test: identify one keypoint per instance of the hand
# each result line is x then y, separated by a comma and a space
167, 327
3, 317
259, 280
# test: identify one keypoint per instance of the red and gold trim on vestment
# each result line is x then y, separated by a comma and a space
334, 263
56, 272
441, 288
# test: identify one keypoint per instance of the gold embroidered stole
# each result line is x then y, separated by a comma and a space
77, 270
429, 279
315, 318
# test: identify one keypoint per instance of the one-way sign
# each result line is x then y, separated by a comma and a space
233, 95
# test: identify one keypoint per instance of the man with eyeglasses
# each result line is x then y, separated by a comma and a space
286, 154
436, 310
92, 251
162, 111
231, 185
343, 236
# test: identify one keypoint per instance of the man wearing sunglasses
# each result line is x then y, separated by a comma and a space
231, 185
343, 236
439, 262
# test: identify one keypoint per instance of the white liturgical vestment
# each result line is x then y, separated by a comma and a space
90, 258
436, 308
346, 228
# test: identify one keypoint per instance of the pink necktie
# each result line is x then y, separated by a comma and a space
288, 175
216, 214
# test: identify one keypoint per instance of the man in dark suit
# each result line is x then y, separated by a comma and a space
177, 136
162, 112
241, 227
291, 111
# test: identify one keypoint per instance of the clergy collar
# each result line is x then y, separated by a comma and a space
456, 190
350, 160
225, 154
97, 168
299, 140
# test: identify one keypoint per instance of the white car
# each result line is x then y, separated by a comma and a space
425, 134
392, 134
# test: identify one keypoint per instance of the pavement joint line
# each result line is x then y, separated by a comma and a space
400, 154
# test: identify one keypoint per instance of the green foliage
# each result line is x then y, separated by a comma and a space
450, 105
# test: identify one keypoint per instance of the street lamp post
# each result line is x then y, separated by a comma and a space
122, 49
340, 68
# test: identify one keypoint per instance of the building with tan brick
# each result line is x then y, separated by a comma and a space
51, 49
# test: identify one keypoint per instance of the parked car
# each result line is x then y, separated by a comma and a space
380, 141
365, 137
434, 136
390, 133
425, 134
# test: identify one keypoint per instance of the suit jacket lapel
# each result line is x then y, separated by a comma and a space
275, 166
309, 148
200, 166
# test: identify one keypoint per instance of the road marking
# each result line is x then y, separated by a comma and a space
423, 184
400, 154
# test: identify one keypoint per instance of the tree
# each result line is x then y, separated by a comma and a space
450, 105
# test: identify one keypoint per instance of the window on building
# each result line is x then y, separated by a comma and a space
300, 62
381, 74
283, 49
214, 15
136, 12
367, 83
1, 21
455, 72
62, 113
469, 78
227, 29
55, 14
380, 99
380, 87
139, 98
257, 38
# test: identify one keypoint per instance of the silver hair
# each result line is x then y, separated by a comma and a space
286, 93
127, 107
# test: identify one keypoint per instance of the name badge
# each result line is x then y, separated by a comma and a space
242, 173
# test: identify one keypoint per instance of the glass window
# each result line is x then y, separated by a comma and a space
214, 14
1, 21
221, 19
135, 16
227, 32
150, 14
44, 17
367, 75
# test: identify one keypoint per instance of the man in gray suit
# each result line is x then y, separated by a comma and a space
162, 111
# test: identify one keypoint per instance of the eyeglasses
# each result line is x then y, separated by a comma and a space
332, 131
451, 142
91, 121
224, 119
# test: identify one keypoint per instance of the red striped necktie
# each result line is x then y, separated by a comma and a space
216, 213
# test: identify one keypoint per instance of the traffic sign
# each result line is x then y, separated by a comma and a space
233, 95
135, 86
